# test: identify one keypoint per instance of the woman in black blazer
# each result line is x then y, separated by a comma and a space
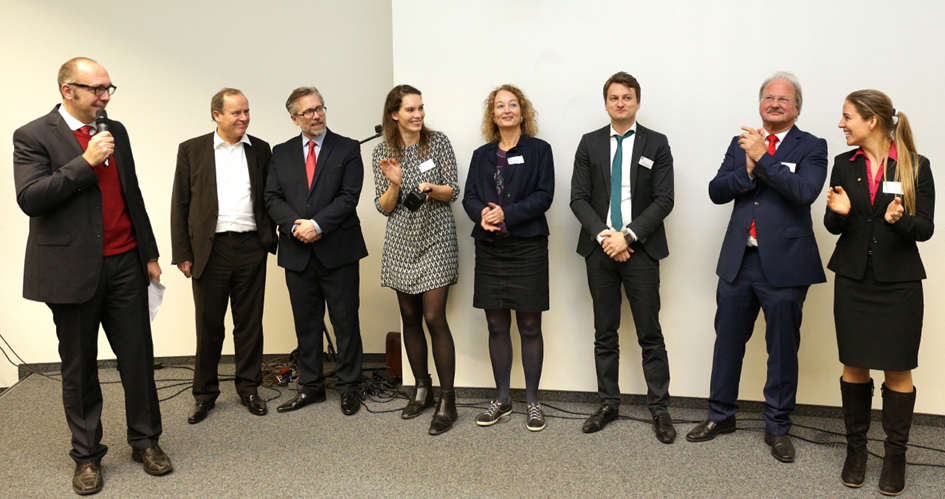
881, 201
510, 187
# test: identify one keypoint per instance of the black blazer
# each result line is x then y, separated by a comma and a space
194, 200
332, 201
652, 189
895, 254
529, 187
59, 191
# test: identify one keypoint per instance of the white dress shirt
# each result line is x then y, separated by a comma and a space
234, 194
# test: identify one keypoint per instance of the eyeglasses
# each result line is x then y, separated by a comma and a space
769, 99
310, 113
98, 91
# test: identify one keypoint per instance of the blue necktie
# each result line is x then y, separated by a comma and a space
616, 182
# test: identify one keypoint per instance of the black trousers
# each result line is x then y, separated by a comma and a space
640, 278
120, 306
236, 275
309, 292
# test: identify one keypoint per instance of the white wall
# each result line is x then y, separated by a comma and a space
168, 59
700, 65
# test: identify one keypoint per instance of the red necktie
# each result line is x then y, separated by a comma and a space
772, 140
87, 129
310, 163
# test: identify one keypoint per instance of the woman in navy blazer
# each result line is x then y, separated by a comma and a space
881, 201
510, 187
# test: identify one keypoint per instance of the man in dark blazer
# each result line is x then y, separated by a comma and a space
312, 194
221, 236
768, 261
90, 257
621, 190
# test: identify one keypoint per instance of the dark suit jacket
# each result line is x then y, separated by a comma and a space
529, 187
194, 200
780, 205
895, 254
332, 201
651, 195
59, 191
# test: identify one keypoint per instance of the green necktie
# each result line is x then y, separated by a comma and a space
616, 182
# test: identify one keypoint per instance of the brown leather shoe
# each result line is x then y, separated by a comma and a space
154, 459
88, 478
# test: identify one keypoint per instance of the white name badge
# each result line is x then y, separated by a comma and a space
516, 160
427, 166
646, 162
790, 166
892, 187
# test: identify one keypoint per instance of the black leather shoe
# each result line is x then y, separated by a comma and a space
154, 459
445, 414
87, 478
708, 429
199, 411
663, 427
597, 421
301, 400
256, 405
422, 399
781, 447
350, 403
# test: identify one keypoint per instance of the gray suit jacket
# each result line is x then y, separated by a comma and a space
59, 191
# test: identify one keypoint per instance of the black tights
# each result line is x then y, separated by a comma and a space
500, 350
429, 306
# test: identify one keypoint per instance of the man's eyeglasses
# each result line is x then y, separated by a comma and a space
769, 99
98, 91
310, 113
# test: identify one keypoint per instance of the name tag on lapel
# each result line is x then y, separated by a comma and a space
892, 187
427, 166
516, 160
646, 162
790, 166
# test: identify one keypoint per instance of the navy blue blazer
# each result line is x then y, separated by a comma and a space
332, 201
529, 187
895, 254
780, 205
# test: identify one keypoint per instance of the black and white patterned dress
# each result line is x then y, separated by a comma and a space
420, 249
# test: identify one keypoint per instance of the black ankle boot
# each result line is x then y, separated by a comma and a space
857, 402
897, 421
445, 413
422, 398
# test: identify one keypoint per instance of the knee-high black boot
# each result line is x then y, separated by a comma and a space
897, 421
445, 413
422, 398
857, 402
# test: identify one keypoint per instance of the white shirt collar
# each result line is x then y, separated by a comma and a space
217, 140
319, 140
71, 122
632, 127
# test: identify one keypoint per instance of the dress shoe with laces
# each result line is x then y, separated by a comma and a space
781, 447
154, 459
708, 429
255, 404
87, 478
350, 403
301, 400
199, 411
663, 427
597, 421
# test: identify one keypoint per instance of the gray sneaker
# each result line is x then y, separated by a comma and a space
536, 418
494, 413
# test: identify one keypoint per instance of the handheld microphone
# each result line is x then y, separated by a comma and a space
101, 125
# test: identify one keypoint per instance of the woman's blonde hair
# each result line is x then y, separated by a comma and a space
490, 130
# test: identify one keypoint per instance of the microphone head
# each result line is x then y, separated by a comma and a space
101, 115
378, 128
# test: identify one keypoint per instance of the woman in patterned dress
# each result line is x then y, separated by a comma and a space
420, 259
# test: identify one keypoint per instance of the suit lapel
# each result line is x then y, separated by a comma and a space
253, 168
327, 146
637, 153
790, 141
602, 151
62, 131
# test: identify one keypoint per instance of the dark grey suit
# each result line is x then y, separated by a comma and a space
652, 201
226, 267
66, 269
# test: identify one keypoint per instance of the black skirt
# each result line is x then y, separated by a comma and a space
512, 273
879, 324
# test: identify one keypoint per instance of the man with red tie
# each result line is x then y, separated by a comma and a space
90, 257
221, 236
768, 261
312, 194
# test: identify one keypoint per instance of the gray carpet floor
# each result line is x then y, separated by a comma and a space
318, 452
